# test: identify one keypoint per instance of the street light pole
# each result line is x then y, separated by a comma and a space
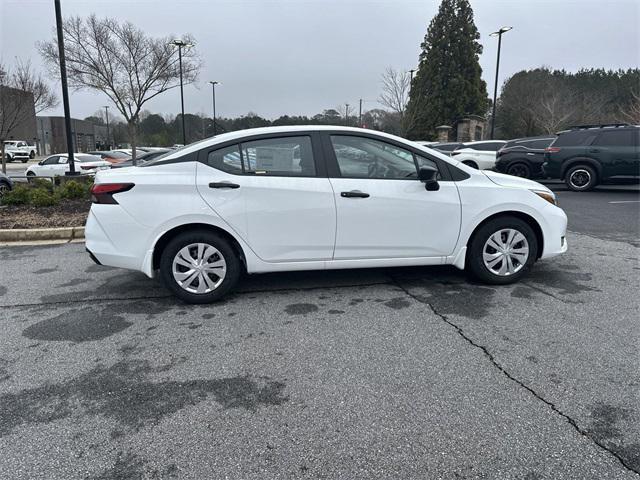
65, 90
360, 115
106, 116
181, 43
495, 85
213, 89
346, 114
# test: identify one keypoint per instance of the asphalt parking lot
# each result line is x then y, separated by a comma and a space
389, 373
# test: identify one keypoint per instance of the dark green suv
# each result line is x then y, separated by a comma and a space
588, 155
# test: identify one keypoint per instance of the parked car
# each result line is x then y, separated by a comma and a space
480, 155
143, 158
111, 156
6, 185
523, 157
585, 156
19, 150
129, 151
58, 164
314, 198
446, 148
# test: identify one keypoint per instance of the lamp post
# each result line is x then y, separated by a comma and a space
106, 116
181, 43
65, 90
213, 89
346, 114
495, 86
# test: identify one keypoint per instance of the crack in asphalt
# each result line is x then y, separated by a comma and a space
497, 365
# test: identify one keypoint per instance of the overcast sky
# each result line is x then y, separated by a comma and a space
277, 57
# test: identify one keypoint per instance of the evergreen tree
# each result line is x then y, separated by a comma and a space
447, 85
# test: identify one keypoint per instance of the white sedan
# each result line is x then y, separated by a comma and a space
58, 164
315, 198
480, 155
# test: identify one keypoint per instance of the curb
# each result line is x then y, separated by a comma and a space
41, 234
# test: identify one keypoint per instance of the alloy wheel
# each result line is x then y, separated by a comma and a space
580, 178
199, 268
505, 252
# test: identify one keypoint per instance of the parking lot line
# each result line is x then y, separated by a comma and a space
627, 201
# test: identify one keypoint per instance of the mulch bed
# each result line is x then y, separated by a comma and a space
69, 213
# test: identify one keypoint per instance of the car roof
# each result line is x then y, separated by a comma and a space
239, 134
480, 142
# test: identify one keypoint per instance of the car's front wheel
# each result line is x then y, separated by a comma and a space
502, 250
581, 178
199, 266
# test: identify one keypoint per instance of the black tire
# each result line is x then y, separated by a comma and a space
471, 164
224, 251
475, 264
25, 160
32, 155
581, 178
519, 169
4, 188
9, 159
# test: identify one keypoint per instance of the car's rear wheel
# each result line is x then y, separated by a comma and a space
519, 169
4, 188
581, 178
199, 266
25, 160
502, 250
32, 155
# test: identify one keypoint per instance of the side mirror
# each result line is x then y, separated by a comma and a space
428, 175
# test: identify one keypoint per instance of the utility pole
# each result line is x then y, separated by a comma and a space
360, 115
346, 114
181, 43
106, 116
495, 85
412, 71
213, 89
65, 90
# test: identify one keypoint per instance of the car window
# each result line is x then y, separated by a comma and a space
62, 160
447, 147
286, 156
360, 157
539, 144
51, 160
575, 138
489, 146
615, 138
226, 159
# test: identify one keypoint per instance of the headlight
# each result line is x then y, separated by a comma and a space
548, 196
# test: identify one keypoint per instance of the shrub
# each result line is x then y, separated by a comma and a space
73, 189
42, 183
40, 197
18, 196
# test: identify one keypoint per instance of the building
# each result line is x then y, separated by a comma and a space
52, 136
18, 115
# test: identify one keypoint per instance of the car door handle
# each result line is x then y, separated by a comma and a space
354, 194
223, 185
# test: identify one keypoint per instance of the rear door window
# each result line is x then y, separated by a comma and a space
615, 138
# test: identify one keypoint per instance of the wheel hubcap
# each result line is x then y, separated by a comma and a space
519, 171
199, 268
505, 252
580, 178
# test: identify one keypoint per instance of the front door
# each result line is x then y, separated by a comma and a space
272, 194
384, 211
617, 150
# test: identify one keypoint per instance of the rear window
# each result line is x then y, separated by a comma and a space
575, 138
86, 158
539, 143
447, 147
486, 147
615, 138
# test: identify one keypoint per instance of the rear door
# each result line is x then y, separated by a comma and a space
617, 151
384, 211
274, 192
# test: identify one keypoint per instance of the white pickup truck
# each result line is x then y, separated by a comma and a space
19, 150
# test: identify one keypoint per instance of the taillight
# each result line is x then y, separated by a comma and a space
103, 192
552, 149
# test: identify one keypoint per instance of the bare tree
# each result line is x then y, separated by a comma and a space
395, 90
121, 61
631, 112
22, 94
